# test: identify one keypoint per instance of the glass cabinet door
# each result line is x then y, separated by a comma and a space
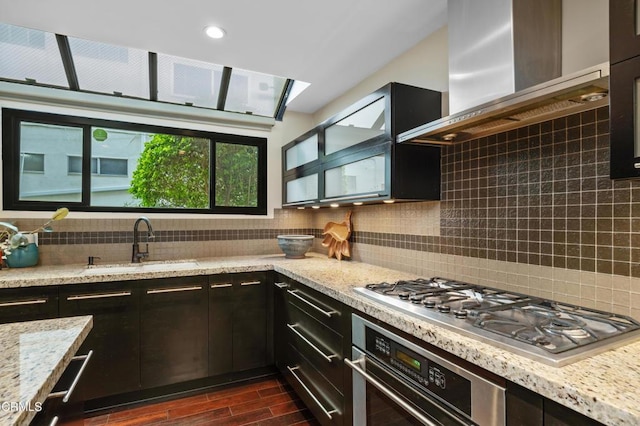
624, 117
366, 176
302, 152
302, 189
360, 126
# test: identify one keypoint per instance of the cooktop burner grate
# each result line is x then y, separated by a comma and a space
518, 321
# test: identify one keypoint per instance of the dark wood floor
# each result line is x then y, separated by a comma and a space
265, 403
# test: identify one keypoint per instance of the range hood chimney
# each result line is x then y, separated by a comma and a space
505, 65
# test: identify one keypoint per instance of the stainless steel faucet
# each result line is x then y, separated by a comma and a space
137, 254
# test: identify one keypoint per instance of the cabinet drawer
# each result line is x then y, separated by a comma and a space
320, 345
28, 304
317, 305
326, 404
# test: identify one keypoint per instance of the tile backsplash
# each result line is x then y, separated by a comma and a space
530, 210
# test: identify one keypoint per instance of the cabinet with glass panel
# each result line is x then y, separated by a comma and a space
624, 88
352, 157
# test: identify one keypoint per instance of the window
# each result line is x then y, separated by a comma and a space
100, 165
46, 59
31, 162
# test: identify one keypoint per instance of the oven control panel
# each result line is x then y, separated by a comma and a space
436, 379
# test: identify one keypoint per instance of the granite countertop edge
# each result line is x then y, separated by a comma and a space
602, 387
37, 387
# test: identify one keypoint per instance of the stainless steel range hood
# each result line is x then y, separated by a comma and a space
580, 91
505, 66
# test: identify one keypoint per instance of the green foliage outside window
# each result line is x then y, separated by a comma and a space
236, 175
172, 171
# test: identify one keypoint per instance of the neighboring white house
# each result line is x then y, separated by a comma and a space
51, 165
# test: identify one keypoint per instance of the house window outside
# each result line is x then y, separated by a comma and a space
99, 165
31, 162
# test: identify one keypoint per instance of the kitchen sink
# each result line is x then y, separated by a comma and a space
123, 268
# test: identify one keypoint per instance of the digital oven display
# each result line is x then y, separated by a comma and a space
409, 361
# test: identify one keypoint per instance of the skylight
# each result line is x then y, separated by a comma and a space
30, 56
45, 59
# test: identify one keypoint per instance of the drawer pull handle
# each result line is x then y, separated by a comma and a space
356, 367
295, 294
329, 358
315, 399
224, 285
23, 302
282, 285
173, 289
99, 296
251, 283
67, 394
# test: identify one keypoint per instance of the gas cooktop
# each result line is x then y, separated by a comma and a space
551, 332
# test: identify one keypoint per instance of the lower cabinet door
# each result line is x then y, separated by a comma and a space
221, 297
114, 338
250, 326
174, 331
239, 327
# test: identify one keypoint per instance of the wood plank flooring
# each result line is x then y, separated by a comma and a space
268, 402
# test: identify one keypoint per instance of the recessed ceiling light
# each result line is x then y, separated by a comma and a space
214, 32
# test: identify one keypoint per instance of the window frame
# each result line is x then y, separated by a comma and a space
12, 118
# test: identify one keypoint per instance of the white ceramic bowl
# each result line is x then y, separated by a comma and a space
295, 246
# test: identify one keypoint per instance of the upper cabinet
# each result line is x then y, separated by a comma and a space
624, 30
352, 157
624, 88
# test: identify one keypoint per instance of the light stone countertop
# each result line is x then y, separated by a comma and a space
33, 356
604, 387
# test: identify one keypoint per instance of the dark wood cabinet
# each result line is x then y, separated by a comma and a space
28, 304
353, 157
221, 307
174, 338
313, 332
239, 322
624, 30
114, 338
527, 408
624, 88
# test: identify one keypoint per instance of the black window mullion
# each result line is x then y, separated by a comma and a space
67, 62
153, 76
224, 88
282, 103
86, 166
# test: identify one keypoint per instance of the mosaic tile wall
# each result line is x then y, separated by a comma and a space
541, 195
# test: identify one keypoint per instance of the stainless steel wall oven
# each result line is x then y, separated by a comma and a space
397, 382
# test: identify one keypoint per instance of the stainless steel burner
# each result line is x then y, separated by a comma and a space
549, 331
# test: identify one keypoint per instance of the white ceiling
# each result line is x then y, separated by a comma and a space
332, 44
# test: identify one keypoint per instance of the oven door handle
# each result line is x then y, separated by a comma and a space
355, 366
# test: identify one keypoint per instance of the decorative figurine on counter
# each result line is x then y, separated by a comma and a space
337, 237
